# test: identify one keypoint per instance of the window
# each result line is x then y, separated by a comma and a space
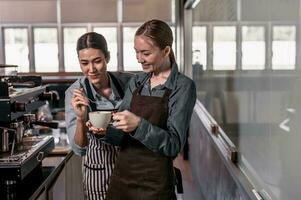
224, 48
284, 47
71, 36
199, 45
129, 55
253, 48
16, 48
46, 49
110, 33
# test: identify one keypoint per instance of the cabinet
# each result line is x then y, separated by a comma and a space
57, 190
65, 182
74, 178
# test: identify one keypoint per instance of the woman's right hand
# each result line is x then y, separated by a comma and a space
79, 103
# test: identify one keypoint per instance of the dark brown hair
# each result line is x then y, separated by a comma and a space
159, 32
93, 40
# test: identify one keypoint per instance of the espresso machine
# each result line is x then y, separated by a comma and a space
21, 148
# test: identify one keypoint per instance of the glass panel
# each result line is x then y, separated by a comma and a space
253, 47
46, 49
89, 11
224, 47
16, 48
28, 11
284, 47
199, 46
110, 33
71, 36
130, 62
260, 111
143, 10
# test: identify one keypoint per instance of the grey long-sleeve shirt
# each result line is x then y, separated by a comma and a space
112, 102
181, 102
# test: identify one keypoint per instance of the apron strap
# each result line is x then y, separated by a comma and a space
139, 88
116, 84
167, 94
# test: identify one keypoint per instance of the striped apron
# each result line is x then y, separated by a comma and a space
98, 163
98, 166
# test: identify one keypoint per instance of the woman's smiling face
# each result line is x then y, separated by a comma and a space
93, 64
150, 56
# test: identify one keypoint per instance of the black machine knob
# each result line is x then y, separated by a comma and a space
18, 106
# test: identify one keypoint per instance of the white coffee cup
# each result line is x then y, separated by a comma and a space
100, 119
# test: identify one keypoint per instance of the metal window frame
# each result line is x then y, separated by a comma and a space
2, 51
31, 53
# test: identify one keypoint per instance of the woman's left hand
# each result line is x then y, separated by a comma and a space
96, 131
126, 121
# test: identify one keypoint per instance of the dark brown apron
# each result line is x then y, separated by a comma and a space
140, 173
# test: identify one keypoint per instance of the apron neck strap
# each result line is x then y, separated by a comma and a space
139, 88
167, 93
116, 84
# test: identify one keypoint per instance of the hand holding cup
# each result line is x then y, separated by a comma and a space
99, 121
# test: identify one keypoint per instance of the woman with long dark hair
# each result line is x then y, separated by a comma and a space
96, 90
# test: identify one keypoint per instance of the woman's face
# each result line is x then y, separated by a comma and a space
93, 64
150, 56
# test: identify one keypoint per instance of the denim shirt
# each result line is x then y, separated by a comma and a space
103, 103
181, 102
